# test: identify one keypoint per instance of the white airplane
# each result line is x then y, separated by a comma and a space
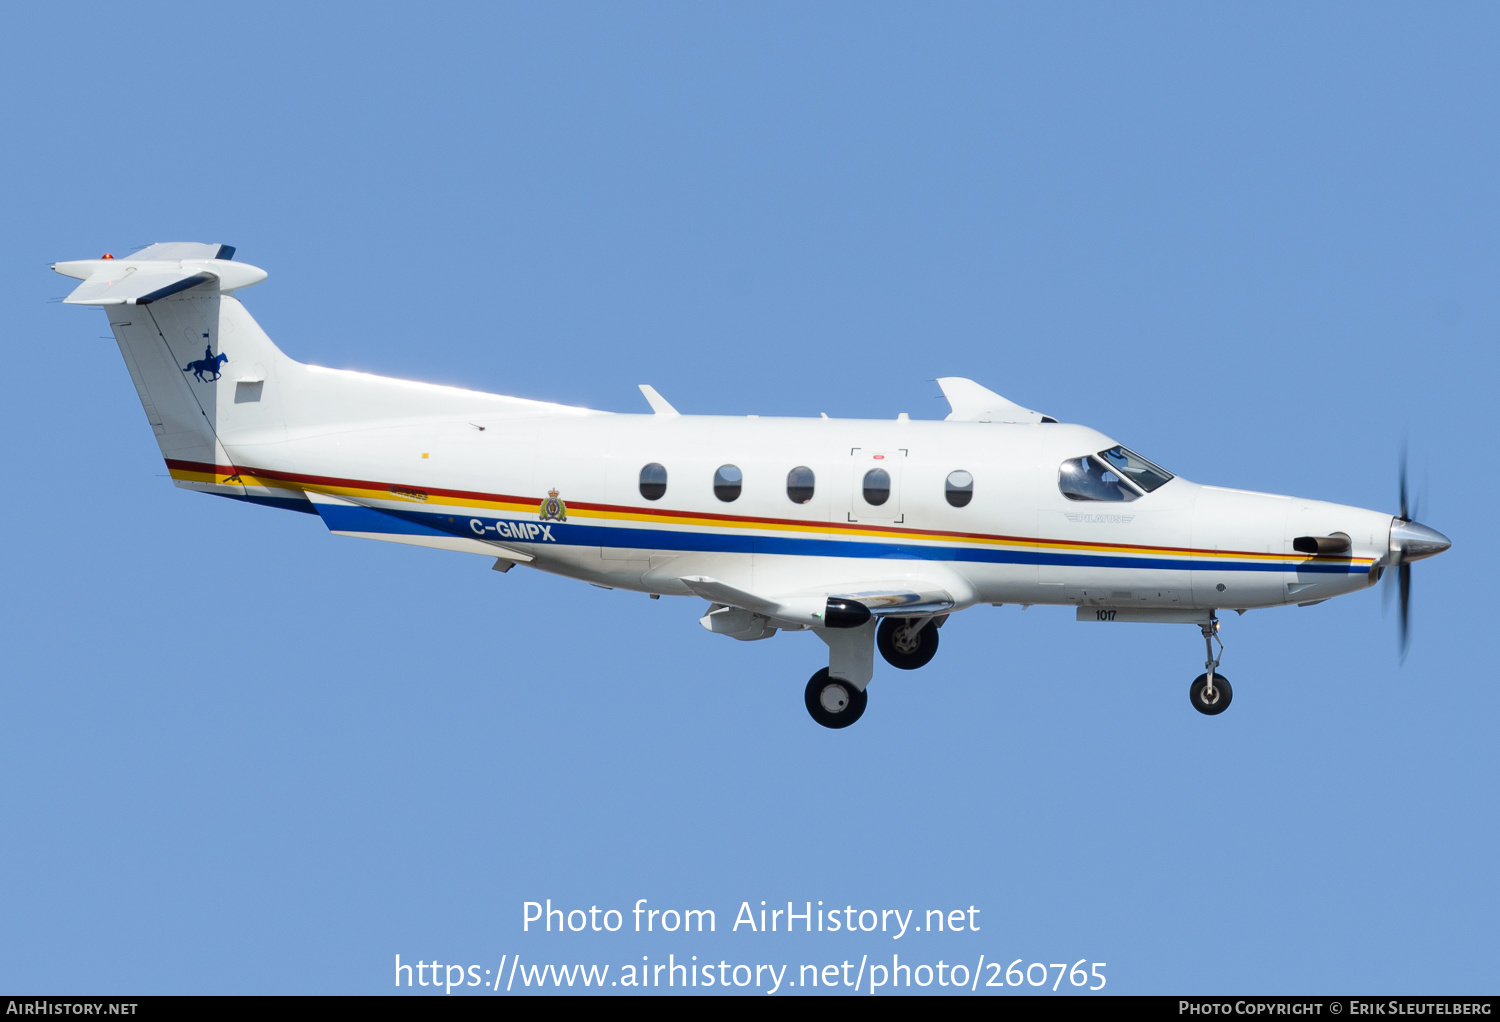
867, 533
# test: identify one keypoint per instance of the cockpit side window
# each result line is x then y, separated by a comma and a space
1136, 468
1092, 478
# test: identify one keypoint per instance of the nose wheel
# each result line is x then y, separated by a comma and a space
1210, 700
834, 702
1210, 692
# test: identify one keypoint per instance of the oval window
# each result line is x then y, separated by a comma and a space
877, 487
959, 488
799, 484
654, 481
727, 482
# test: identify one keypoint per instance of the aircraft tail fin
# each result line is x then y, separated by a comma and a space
212, 383
198, 360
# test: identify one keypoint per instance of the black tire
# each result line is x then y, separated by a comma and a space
906, 660
1221, 686
848, 702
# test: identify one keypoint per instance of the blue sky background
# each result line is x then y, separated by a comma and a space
1257, 243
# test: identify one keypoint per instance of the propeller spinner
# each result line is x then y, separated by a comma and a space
1410, 541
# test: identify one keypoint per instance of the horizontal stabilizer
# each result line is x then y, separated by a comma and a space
972, 403
156, 272
141, 287
183, 250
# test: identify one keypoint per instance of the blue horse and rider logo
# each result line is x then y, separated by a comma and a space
209, 363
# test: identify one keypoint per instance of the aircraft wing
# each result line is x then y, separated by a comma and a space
714, 591
901, 598
904, 598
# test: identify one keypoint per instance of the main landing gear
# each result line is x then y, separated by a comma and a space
1210, 692
834, 702
836, 696
907, 643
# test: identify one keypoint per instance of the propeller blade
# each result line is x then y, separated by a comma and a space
1405, 610
1404, 516
1410, 541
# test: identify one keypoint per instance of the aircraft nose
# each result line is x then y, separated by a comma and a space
1412, 541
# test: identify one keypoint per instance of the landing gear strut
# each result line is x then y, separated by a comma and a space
834, 702
907, 643
1210, 692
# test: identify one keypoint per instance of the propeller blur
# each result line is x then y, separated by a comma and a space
1410, 541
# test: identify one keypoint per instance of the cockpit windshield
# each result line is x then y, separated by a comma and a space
1136, 468
1116, 474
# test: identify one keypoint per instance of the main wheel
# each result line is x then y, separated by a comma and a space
906, 645
1222, 694
834, 702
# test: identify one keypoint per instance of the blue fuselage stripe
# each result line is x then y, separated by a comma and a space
347, 518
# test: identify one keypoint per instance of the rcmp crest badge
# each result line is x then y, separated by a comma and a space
553, 509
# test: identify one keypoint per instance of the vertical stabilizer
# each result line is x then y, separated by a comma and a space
204, 370
172, 350
220, 396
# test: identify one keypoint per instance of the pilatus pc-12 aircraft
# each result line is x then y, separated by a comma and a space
867, 533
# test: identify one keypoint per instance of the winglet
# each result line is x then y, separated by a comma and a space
972, 403
658, 404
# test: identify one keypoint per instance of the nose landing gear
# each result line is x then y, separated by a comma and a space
1210, 692
1210, 700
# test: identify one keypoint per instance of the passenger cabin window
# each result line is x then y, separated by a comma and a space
959, 489
653, 481
799, 484
727, 482
877, 487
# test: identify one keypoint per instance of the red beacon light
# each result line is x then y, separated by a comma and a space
106, 256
